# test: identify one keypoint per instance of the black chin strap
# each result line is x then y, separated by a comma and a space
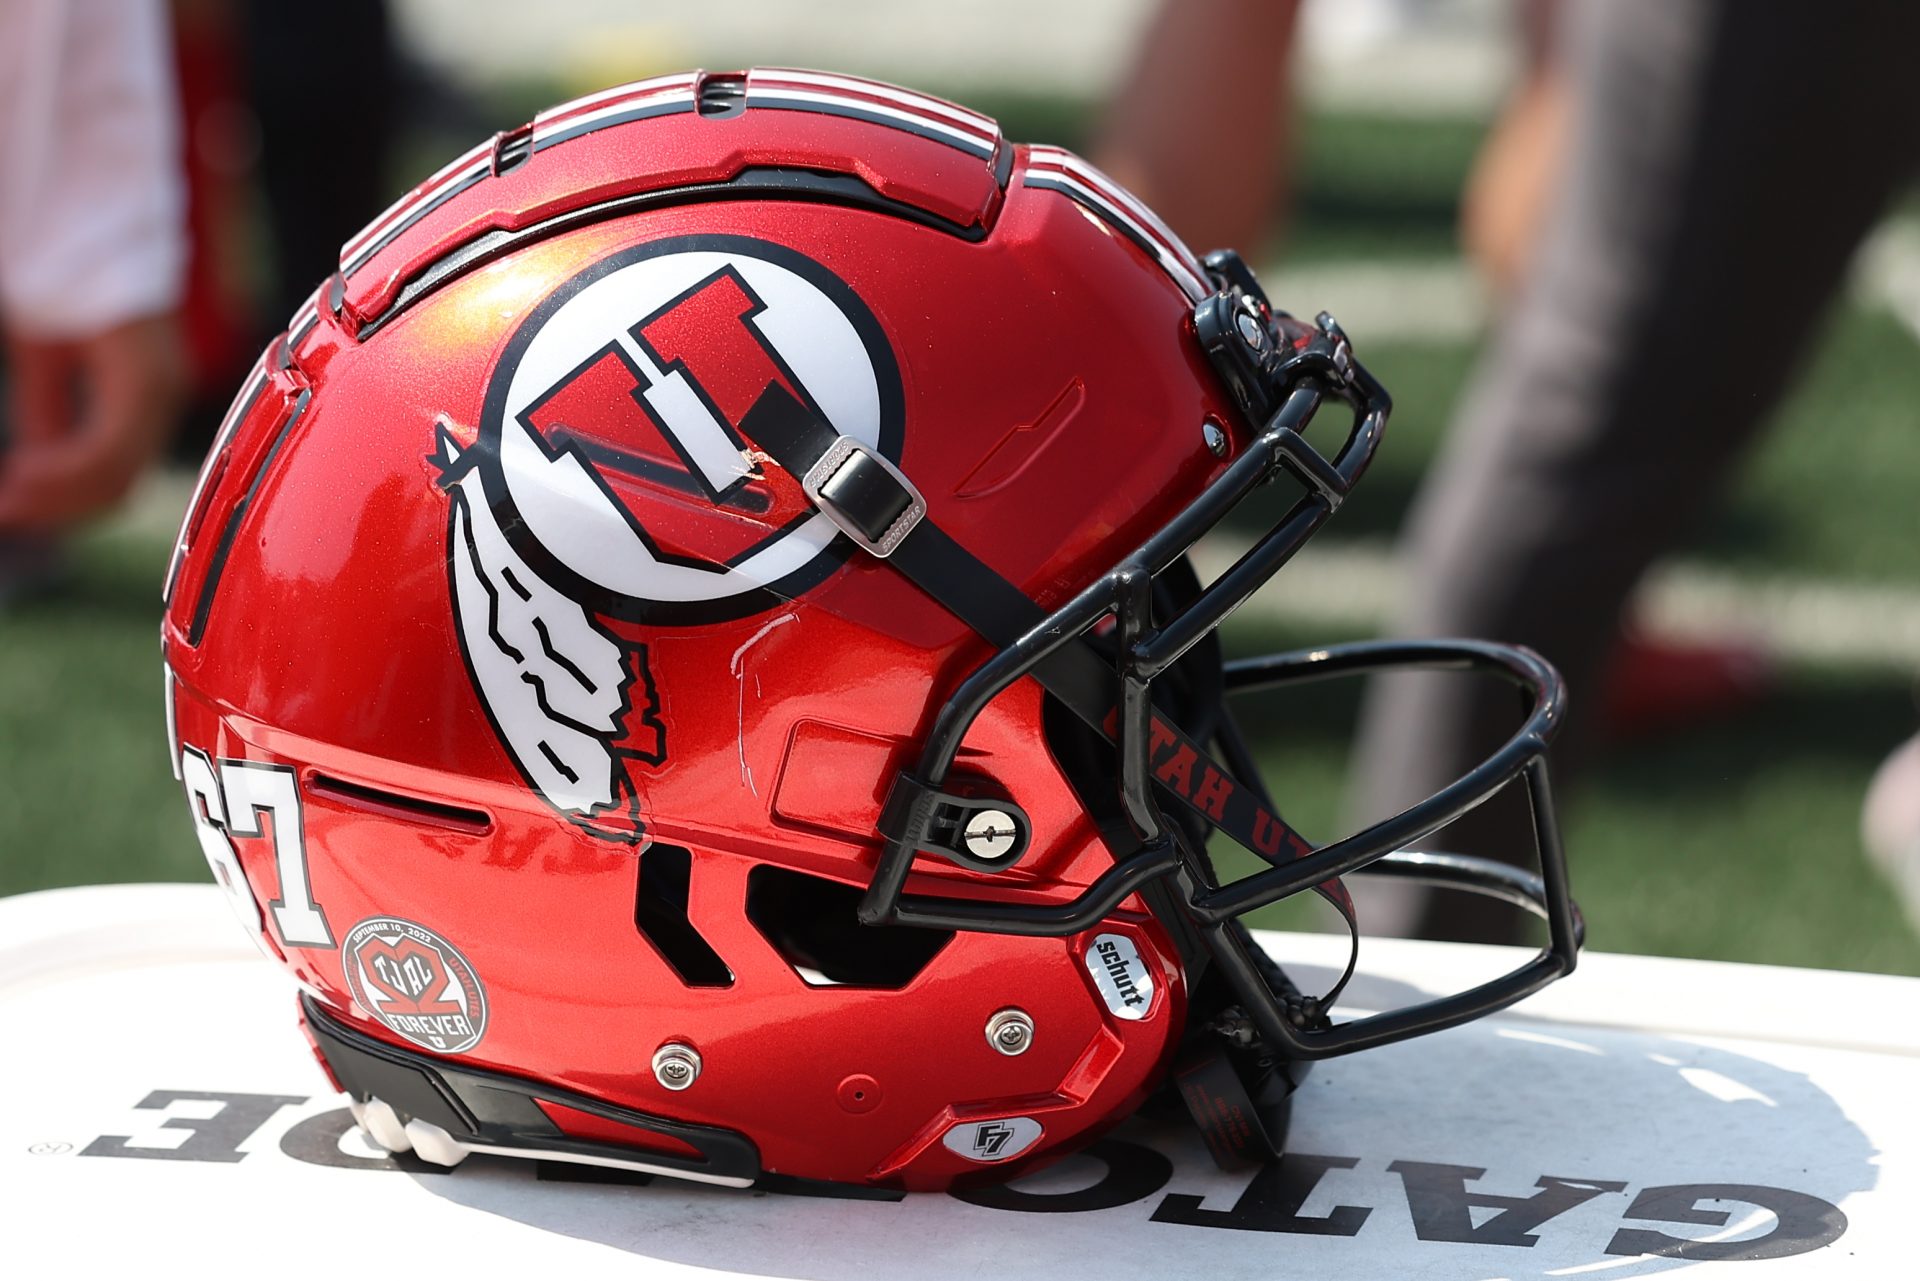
868, 500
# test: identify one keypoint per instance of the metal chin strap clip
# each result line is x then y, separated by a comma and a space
863, 493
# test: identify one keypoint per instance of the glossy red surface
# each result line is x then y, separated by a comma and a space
1052, 409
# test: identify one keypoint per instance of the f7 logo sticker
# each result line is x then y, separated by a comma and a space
256, 801
989, 1142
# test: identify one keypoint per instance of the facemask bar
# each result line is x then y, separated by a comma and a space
1273, 361
1125, 592
1379, 849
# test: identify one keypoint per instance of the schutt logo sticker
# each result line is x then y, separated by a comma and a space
1121, 976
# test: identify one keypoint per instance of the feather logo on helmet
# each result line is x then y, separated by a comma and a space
610, 488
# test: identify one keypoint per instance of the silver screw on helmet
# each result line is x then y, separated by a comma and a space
1010, 1031
1250, 332
990, 834
676, 1066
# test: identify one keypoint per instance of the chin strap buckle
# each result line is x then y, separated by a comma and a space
862, 492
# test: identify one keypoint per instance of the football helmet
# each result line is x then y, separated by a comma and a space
686, 650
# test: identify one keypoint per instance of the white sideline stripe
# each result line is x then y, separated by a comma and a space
1359, 585
1421, 300
1442, 299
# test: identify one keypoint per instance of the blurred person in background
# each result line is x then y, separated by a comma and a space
1723, 161
1702, 171
324, 159
270, 140
145, 137
92, 258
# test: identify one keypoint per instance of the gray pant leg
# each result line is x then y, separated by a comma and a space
1727, 158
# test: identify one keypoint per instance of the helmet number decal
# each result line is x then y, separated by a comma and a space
257, 801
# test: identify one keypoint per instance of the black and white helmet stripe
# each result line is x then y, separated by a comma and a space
299, 325
467, 169
658, 96
303, 321
827, 104
918, 103
771, 88
850, 96
250, 390
1058, 170
605, 99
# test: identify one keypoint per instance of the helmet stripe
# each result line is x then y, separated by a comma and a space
1055, 170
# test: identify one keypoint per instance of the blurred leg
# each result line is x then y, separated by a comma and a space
1199, 127
1726, 158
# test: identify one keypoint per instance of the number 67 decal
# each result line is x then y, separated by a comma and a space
231, 802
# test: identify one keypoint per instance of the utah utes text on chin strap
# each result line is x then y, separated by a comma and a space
686, 649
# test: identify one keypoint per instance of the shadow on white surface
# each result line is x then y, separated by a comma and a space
1501, 1149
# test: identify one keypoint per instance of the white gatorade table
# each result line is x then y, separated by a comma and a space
161, 1114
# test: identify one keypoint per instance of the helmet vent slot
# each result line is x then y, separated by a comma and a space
512, 149
416, 809
811, 923
660, 914
723, 93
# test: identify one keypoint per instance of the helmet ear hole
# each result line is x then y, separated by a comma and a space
660, 914
811, 923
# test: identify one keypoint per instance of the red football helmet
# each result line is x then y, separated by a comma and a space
685, 650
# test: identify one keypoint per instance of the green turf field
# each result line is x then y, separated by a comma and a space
1737, 842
